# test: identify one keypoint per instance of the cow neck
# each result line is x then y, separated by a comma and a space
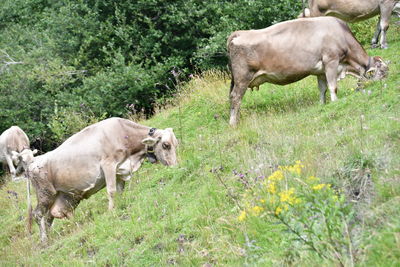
151, 156
358, 57
134, 134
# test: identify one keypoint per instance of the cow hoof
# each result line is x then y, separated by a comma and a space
233, 124
233, 121
17, 178
44, 244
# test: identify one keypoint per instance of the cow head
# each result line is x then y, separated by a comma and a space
378, 69
164, 144
24, 158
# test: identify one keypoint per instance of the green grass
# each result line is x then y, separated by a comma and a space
187, 215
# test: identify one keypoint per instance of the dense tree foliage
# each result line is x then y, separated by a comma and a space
64, 64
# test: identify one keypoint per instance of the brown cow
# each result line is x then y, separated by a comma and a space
292, 50
12, 140
88, 161
356, 10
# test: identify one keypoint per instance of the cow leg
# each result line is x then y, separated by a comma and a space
331, 72
236, 97
45, 223
44, 220
322, 85
375, 39
46, 195
110, 177
11, 166
238, 89
386, 11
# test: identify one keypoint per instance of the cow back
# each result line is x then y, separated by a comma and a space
15, 139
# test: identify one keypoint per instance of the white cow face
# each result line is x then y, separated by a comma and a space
23, 158
164, 143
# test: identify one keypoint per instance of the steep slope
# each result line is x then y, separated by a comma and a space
188, 215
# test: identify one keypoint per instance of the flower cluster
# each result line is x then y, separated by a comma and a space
295, 169
284, 189
320, 186
311, 211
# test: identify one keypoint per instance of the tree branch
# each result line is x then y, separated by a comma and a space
6, 61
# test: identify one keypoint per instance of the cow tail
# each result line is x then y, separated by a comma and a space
30, 215
229, 61
232, 79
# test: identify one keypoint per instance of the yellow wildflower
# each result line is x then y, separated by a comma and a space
278, 210
288, 197
271, 188
257, 210
242, 216
276, 176
298, 162
297, 167
262, 200
318, 186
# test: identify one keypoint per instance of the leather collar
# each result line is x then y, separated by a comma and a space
151, 156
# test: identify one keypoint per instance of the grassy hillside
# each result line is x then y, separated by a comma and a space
193, 214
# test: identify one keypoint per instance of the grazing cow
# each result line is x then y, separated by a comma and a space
88, 161
356, 10
12, 140
292, 50
396, 10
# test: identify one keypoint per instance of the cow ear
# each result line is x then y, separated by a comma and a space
150, 141
378, 61
35, 151
170, 130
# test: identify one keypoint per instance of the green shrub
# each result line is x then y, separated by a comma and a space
66, 122
364, 30
113, 57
